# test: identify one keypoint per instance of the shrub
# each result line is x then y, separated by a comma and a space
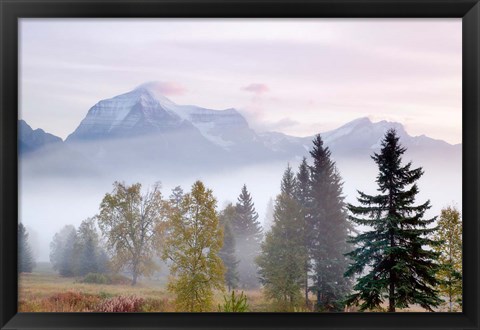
156, 305
121, 304
118, 279
96, 278
70, 301
105, 295
232, 303
301, 309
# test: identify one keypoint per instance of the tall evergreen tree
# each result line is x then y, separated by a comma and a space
330, 229
302, 195
246, 222
227, 253
248, 235
393, 253
450, 273
26, 260
283, 253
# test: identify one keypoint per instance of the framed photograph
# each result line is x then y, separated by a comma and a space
224, 164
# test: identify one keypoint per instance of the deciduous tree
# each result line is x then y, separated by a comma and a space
193, 245
450, 273
129, 220
62, 251
227, 253
88, 254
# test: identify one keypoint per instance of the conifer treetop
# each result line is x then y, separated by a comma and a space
394, 251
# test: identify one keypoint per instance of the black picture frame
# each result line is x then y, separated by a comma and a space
12, 10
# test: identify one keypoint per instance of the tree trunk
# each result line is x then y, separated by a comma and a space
306, 284
391, 295
450, 295
392, 279
134, 279
319, 299
306, 293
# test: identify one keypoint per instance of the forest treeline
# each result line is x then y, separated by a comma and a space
319, 253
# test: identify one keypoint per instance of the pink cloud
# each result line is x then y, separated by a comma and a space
167, 88
256, 88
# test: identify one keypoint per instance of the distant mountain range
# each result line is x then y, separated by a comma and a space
144, 129
31, 140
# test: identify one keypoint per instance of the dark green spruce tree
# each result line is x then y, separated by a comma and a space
392, 259
302, 195
26, 260
248, 236
330, 230
227, 253
282, 259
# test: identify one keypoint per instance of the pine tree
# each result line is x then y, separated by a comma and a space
248, 235
282, 259
192, 245
227, 253
302, 189
329, 228
393, 253
26, 261
302, 195
450, 273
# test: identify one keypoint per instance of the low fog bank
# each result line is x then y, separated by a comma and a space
48, 202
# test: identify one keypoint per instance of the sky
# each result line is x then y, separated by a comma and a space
296, 76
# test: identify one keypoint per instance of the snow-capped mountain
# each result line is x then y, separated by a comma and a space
145, 130
131, 114
144, 111
362, 134
154, 126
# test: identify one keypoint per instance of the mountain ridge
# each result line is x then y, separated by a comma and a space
30, 140
143, 126
158, 112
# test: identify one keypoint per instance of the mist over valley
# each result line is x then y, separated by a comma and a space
141, 136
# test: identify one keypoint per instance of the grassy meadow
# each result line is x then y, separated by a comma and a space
43, 290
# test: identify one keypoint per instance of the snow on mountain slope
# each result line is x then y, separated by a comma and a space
213, 124
144, 110
133, 113
362, 133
